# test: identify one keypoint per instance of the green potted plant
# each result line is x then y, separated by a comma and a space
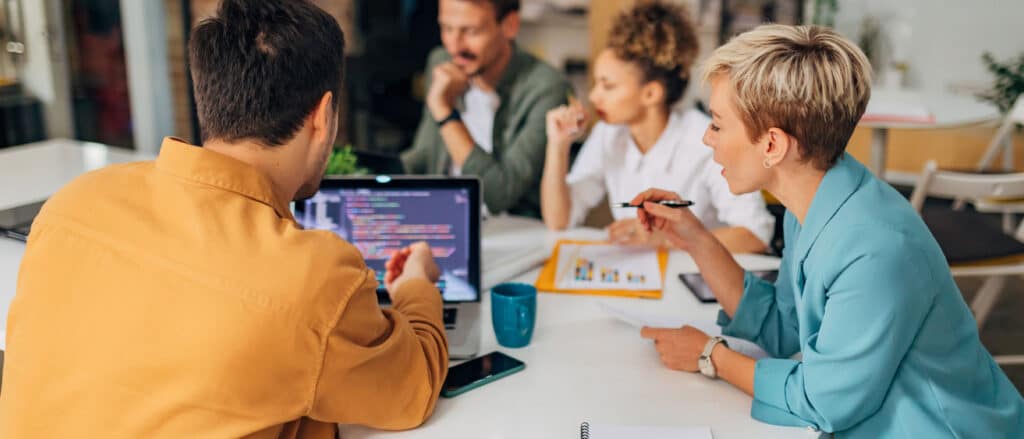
821, 12
1009, 83
343, 161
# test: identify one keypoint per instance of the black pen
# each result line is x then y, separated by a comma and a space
675, 204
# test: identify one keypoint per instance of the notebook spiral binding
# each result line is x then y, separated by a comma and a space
585, 430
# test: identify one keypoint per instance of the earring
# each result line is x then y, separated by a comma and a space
767, 164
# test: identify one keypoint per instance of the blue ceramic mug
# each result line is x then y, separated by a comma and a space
513, 313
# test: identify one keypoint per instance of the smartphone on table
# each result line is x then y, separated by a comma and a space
479, 371
700, 289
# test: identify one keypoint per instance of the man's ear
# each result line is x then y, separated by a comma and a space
322, 118
510, 25
776, 145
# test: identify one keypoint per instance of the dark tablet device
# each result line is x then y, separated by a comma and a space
695, 283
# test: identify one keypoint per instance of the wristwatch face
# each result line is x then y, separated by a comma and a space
706, 368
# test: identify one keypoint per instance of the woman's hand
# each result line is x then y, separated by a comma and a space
680, 348
565, 125
680, 226
629, 232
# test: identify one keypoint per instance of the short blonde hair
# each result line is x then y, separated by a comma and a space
806, 80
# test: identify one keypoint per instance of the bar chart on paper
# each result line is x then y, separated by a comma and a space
607, 267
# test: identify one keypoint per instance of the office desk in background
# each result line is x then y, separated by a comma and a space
32, 172
948, 111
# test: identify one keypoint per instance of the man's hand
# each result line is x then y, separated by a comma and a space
447, 83
680, 348
413, 262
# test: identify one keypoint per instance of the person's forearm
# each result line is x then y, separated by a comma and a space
555, 200
735, 368
458, 141
721, 272
739, 240
419, 299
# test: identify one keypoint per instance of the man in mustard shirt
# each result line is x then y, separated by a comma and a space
178, 298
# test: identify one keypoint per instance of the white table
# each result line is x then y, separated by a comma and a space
949, 111
584, 365
32, 172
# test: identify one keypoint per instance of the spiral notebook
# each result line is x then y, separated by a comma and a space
592, 430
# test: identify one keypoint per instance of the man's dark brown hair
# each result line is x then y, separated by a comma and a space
259, 68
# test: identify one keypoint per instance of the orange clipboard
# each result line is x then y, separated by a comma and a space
546, 280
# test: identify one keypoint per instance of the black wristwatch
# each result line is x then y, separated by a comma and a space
453, 116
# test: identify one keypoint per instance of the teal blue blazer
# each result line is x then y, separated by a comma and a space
888, 347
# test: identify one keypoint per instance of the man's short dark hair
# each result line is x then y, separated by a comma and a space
260, 67
501, 7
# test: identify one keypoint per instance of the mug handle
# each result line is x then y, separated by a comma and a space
523, 326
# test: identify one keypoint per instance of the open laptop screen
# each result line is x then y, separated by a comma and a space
380, 215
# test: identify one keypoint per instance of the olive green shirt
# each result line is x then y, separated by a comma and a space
511, 173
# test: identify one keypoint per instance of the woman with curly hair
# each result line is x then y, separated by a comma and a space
643, 138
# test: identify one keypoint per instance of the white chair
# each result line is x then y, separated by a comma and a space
973, 247
1003, 142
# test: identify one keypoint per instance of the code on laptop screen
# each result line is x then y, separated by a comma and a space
379, 222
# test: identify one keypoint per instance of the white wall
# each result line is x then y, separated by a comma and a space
45, 69
149, 80
46, 72
557, 36
947, 36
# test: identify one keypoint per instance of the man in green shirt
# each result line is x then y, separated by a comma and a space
485, 106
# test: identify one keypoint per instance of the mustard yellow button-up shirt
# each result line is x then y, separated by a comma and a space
179, 299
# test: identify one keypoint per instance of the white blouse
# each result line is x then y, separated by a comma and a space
610, 163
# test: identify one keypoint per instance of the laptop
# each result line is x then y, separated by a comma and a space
382, 214
16, 222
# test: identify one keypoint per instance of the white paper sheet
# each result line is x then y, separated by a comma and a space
607, 267
640, 319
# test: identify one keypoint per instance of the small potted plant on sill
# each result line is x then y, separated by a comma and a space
343, 161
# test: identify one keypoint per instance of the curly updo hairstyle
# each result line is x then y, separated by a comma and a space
661, 41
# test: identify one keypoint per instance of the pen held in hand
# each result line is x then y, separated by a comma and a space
676, 204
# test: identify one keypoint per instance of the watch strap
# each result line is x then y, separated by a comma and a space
708, 368
453, 116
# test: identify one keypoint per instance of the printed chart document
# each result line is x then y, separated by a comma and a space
607, 267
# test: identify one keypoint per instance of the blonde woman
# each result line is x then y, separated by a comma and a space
889, 348
642, 141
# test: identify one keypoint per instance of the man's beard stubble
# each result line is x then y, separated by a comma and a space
309, 188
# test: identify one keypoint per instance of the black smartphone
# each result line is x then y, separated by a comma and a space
479, 371
700, 289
